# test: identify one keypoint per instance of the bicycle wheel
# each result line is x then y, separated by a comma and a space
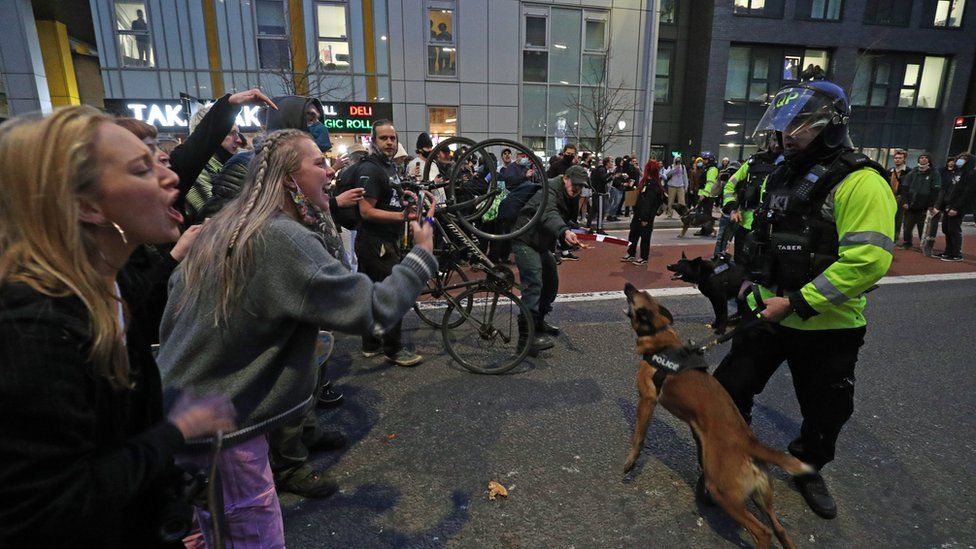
485, 340
443, 144
451, 282
478, 199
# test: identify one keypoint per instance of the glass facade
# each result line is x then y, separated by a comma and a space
441, 42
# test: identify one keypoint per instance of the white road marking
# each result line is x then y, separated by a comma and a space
691, 290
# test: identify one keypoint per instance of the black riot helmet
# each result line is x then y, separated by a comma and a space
809, 117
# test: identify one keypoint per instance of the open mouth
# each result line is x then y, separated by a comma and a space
175, 215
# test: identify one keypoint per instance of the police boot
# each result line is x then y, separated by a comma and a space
539, 342
813, 488
544, 328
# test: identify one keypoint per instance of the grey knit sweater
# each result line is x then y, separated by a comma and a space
262, 357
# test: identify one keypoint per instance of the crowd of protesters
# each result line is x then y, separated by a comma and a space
114, 242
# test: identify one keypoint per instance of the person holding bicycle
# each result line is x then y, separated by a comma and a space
533, 251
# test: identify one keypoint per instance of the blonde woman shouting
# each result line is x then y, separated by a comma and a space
85, 448
245, 308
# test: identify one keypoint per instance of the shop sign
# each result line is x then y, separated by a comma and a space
169, 115
345, 117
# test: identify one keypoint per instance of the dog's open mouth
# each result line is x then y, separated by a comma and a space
678, 275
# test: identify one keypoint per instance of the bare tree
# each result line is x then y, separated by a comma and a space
601, 105
316, 78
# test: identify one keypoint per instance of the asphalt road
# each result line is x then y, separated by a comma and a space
426, 441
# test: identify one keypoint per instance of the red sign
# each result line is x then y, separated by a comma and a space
360, 110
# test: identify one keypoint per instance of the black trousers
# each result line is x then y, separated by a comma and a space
377, 257
738, 240
914, 220
641, 234
822, 364
952, 228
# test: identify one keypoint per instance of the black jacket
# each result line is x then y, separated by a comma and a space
919, 189
82, 462
600, 180
961, 194
552, 224
189, 158
648, 201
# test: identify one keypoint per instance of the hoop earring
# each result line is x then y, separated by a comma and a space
120, 231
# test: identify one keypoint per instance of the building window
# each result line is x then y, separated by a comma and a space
948, 13
442, 122
922, 82
441, 43
669, 9
333, 40
594, 67
871, 83
758, 8
825, 10
134, 36
565, 46
273, 47
751, 76
888, 12
535, 53
662, 77
4, 107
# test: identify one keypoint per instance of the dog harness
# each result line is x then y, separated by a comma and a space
674, 361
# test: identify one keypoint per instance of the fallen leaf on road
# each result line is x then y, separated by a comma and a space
495, 489
391, 436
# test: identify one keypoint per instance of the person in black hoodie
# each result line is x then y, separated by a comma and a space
956, 201
918, 191
87, 453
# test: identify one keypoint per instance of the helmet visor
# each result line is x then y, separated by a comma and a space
798, 113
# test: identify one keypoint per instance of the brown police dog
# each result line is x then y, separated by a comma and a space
732, 459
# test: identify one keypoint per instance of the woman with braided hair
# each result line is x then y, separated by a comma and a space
246, 306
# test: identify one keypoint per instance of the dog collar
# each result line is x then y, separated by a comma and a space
672, 361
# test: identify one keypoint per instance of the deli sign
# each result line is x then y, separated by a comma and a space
343, 117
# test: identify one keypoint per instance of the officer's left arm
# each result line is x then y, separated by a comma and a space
729, 203
864, 214
711, 179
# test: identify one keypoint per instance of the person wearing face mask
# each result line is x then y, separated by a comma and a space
918, 191
709, 191
822, 235
561, 162
957, 200
676, 177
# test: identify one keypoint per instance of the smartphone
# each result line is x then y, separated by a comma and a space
363, 180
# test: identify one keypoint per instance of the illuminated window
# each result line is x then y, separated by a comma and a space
758, 8
134, 35
442, 122
668, 12
441, 40
948, 13
333, 40
273, 52
922, 82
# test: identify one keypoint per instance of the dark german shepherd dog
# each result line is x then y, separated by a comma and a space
719, 279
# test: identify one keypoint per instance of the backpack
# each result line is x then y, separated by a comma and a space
349, 217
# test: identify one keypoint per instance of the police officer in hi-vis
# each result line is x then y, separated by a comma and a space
821, 237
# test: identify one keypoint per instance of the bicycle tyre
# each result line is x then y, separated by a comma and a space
467, 220
443, 144
464, 342
429, 313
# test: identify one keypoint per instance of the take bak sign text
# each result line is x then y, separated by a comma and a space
169, 115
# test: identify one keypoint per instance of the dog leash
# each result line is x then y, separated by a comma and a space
755, 319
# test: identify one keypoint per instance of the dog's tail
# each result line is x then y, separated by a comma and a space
782, 460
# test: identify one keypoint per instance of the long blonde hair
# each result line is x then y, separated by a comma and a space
222, 258
45, 166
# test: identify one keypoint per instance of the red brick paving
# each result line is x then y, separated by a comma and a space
600, 268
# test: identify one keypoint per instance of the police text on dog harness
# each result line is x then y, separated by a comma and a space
673, 361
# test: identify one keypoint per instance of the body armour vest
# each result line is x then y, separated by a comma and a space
748, 192
794, 236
